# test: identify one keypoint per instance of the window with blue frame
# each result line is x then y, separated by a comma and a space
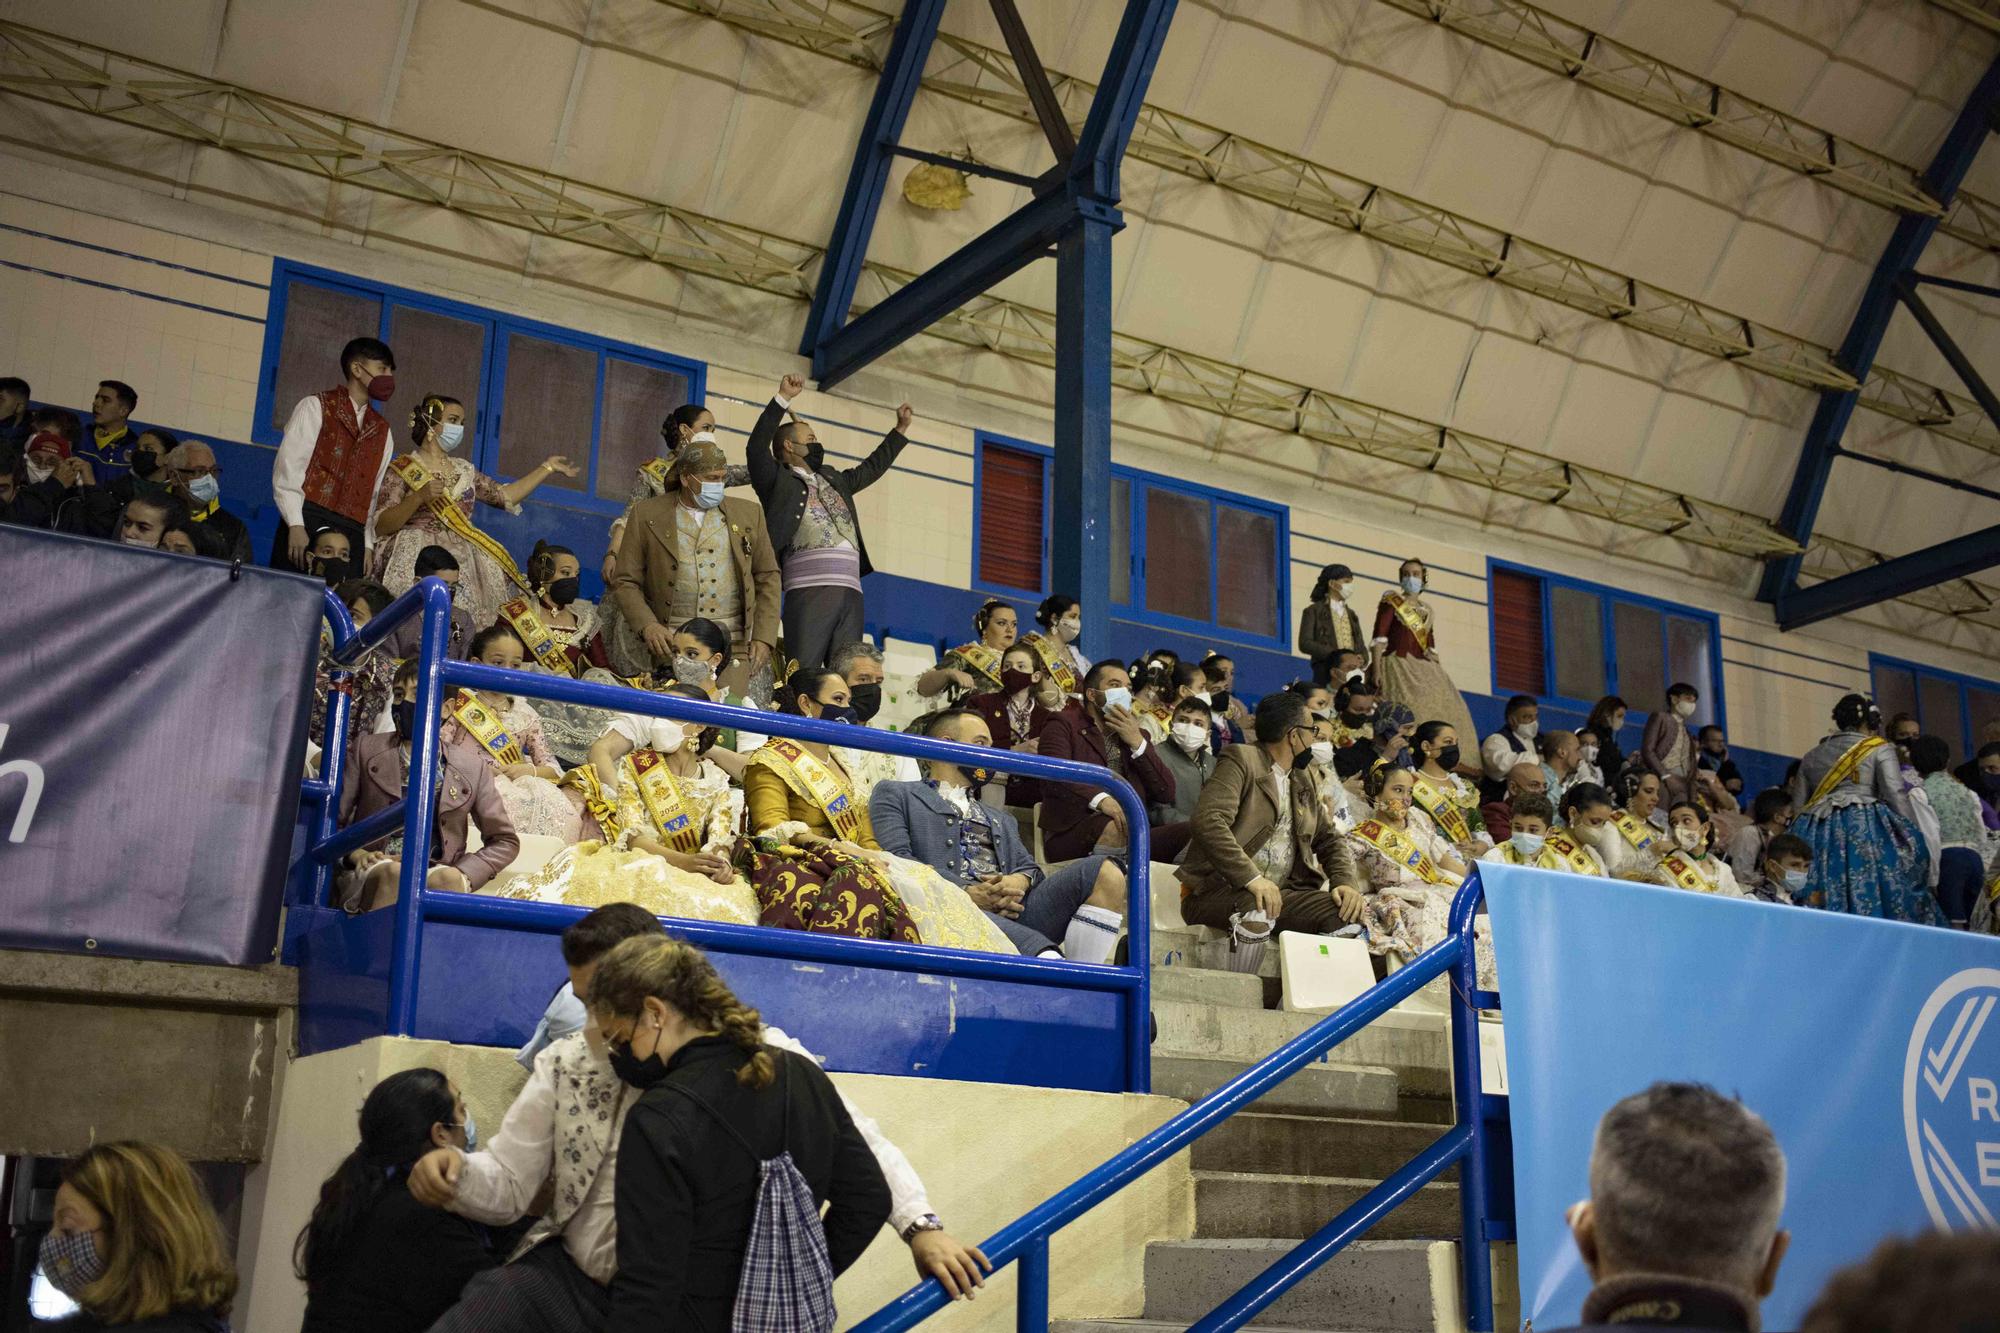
1944, 703
530, 389
1183, 556
1570, 642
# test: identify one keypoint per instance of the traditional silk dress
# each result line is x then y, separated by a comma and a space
1868, 857
1409, 669
1635, 850
693, 814
484, 581
514, 736
790, 791
1409, 904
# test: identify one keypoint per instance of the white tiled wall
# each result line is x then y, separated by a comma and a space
85, 297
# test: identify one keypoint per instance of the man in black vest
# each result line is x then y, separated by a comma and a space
814, 526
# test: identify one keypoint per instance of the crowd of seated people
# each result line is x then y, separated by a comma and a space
715, 595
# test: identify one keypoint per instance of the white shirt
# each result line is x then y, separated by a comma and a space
288, 470
501, 1179
1497, 757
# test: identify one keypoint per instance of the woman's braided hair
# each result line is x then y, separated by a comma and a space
680, 975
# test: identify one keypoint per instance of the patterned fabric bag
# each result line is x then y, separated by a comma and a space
787, 1280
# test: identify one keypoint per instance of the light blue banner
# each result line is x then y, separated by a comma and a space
1872, 1048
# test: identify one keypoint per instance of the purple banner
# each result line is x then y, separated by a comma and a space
152, 729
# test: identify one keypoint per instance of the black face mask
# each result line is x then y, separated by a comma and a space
1447, 758
1218, 700
978, 777
866, 701
631, 1070
404, 714
838, 712
1302, 761
331, 568
1357, 719
145, 462
563, 591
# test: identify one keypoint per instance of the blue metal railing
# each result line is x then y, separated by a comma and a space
1026, 1239
437, 676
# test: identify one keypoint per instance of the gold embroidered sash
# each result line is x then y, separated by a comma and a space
814, 780
981, 660
1054, 661
1443, 809
535, 636
1640, 834
1685, 873
484, 726
603, 809
1572, 854
1414, 620
674, 817
1398, 848
656, 473
416, 476
1845, 767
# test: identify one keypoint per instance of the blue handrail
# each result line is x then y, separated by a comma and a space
1026, 1238
430, 601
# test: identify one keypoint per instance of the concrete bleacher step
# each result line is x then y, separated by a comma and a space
1307, 1145
1419, 1054
1258, 1205
1201, 985
1320, 1089
1176, 948
1380, 1286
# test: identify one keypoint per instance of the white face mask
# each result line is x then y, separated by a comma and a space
450, 435
1356, 676
670, 735
1690, 839
1589, 754
1527, 731
1685, 708
1192, 736
1323, 753
1067, 630
38, 473
1598, 837
1202, 695
1117, 697
140, 541
1528, 844
1412, 584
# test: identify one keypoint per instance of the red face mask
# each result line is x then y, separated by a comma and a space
382, 388
1014, 679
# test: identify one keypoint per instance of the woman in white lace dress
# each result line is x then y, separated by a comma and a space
1413, 872
438, 511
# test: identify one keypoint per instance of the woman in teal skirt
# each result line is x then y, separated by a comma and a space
1868, 857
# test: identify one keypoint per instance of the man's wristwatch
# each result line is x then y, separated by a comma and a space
928, 1222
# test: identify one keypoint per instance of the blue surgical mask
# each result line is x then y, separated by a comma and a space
711, 495
204, 489
1795, 880
1117, 697
450, 435
1528, 844
471, 1132
1413, 584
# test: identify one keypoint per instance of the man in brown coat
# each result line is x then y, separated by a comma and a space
694, 552
1235, 863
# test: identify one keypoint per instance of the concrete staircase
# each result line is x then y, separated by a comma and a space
1273, 1175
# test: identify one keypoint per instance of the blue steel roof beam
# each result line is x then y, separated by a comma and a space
1892, 578
1864, 337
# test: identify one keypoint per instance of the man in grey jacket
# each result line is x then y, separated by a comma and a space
978, 848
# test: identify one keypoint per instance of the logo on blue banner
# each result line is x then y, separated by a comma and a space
1951, 1100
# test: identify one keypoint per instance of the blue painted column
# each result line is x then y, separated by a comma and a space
1080, 528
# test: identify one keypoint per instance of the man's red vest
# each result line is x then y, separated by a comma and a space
347, 457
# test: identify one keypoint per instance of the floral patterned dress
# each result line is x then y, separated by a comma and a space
482, 584
1405, 915
534, 804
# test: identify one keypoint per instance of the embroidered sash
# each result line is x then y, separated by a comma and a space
673, 816
1685, 873
656, 473
1571, 853
815, 781
1640, 834
1414, 620
1844, 768
1054, 660
541, 644
1398, 848
603, 809
416, 476
981, 660
484, 726
1443, 809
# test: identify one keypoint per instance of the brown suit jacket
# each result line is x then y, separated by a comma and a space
465, 793
649, 564
1235, 816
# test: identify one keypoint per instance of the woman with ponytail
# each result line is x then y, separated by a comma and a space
374, 1260
426, 500
717, 1108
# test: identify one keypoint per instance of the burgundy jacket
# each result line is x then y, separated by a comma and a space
992, 709
465, 792
1069, 826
